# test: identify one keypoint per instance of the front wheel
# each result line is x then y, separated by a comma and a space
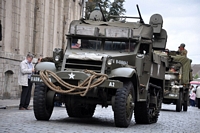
124, 105
42, 109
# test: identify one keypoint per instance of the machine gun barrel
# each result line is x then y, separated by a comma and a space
141, 20
114, 16
104, 18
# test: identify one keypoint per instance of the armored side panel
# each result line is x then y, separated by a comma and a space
160, 41
159, 65
108, 29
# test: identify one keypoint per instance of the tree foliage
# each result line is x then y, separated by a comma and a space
196, 76
117, 8
109, 8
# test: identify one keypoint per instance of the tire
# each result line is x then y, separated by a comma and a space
42, 111
78, 110
179, 102
185, 106
124, 105
145, 112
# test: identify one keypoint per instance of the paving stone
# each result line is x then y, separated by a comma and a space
14, 120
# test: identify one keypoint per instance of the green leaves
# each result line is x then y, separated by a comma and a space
109, 8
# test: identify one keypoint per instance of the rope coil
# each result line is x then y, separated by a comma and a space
81, 89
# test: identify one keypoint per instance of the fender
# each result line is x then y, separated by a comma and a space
46, 66
125, 72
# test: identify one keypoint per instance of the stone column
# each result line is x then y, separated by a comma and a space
8, 26
2, 18
46, 29
22, 27
38, 37
29, 27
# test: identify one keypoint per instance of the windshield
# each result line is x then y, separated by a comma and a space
121, 46
86, 44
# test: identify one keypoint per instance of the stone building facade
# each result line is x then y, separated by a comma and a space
31, 26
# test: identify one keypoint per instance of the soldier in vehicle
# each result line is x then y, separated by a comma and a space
182, 51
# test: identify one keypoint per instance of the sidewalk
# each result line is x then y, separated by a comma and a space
11, 103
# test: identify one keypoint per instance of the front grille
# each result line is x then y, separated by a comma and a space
76, 64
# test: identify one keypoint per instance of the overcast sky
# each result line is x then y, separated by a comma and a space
181, 21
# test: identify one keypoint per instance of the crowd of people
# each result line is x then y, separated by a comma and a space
194, 96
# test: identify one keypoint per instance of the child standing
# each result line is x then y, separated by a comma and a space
193, 98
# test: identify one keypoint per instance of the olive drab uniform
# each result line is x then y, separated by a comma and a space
183, 52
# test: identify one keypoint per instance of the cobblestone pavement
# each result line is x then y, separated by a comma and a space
13, 120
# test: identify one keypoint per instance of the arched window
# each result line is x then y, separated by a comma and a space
8, 83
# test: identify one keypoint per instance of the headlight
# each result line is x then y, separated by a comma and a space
57, 55
109, 62
57, 58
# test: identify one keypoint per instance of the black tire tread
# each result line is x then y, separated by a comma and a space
179, 102
39, 104
185, 106
120, 103
141, 113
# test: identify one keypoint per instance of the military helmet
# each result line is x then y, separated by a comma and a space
182, 45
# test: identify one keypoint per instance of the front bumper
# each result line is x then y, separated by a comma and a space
172, 96
80, 77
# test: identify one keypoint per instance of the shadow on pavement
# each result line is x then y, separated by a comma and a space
88, 121
169, 110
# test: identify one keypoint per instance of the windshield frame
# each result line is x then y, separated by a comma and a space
102, 44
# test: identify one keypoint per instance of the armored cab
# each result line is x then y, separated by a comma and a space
109, 64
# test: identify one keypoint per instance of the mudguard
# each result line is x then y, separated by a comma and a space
45, 66
125, 72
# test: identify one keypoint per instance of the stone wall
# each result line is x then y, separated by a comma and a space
9, 68
31, 26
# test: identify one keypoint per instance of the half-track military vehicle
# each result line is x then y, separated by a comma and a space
107, 63
177, 81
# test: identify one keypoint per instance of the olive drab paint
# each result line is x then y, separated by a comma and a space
126, 53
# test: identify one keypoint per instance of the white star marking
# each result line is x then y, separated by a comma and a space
71, 76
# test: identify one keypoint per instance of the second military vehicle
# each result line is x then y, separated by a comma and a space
109, 64
177, 78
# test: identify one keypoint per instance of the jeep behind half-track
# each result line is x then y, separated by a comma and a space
107, 63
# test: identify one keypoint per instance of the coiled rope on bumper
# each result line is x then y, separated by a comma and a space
81, 89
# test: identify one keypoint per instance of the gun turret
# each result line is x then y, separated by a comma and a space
97, 14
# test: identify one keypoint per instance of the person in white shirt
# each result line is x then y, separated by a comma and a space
24, 79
